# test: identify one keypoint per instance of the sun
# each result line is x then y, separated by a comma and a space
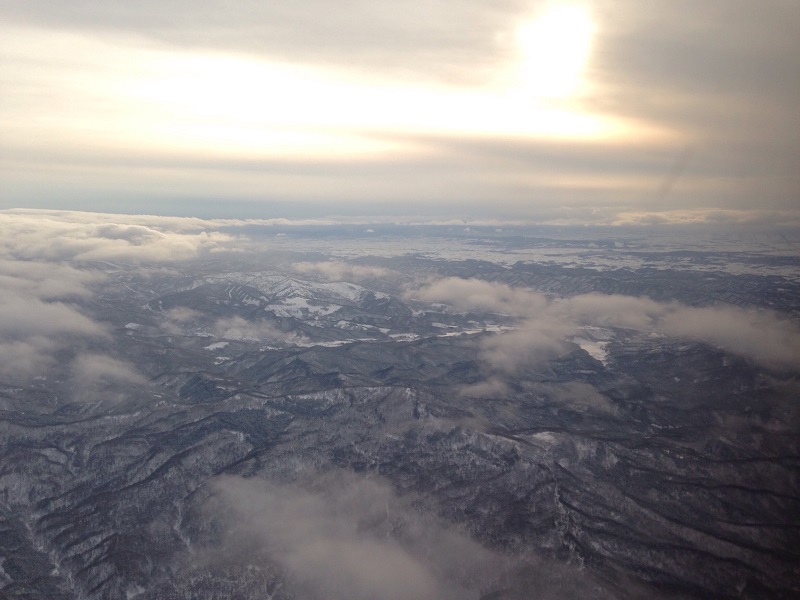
554, 50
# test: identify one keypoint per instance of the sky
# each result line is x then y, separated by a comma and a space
550, 111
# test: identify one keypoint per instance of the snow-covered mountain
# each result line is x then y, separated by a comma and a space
481, 429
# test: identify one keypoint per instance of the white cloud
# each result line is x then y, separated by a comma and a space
186, 321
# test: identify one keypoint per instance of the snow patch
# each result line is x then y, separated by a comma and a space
597, 350
216, 346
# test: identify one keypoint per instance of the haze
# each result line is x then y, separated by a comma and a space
552, 112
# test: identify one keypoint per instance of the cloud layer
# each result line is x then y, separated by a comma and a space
143, 102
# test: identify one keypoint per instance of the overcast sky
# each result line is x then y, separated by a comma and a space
540, 110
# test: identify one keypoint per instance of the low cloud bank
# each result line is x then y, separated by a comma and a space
38, 316
761, 336
347, 538
42, 284
63, 235
187, 321
88, 369
340, 536
476, 294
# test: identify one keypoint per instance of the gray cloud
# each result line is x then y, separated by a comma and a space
46, 281
340, 536
476, 294
181, 314
578, 396
237, 328
40, 293
186, 321
634, 312
27, 315
491, 388
89, 369
724, 74
535, 341
37, 316
421, 40
762, 336
344, 537
26, 357
340, 271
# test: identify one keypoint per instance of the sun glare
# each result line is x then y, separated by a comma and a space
554, 51
230, 105
231, 101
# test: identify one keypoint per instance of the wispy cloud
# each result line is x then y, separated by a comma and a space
238, 328
91, 369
